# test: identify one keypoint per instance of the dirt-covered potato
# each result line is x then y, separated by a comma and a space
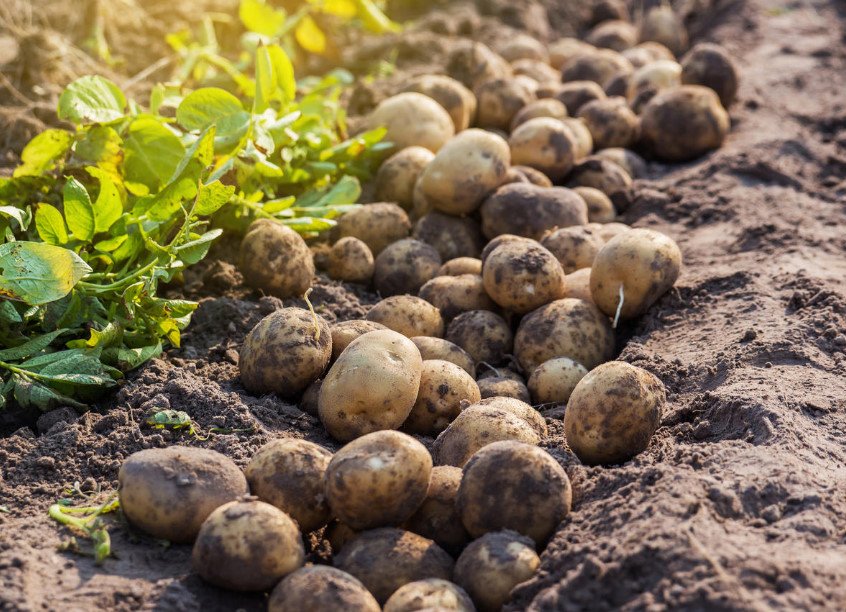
577, 285
458, 101
339, 535
618, 85
545, 144
387, 559
613, 412
437, 518
475, 428
378, 480
320, 587
345, 332
576, 94
169, 492
453, 295
398, 174
611, 122
493, 565
443, 386
535, 177
483, 334
350, 260
633, 164
408, 315
275, 259
461, 265
654, 50
565, 328
513, 485
584, 141
404, 266
530, 211
615, 34
654, 77
431, 594
247, 545
522, 46
502, 372
285, 352
564, 49
412, 119
553, 381
662, 25
438, 348
470, 166
600, 207
496, 386
310, 397
520, 408
597, 66
377, 225
643, 263
371, 386
608, 230
473, 63
499, 100
522, 276
545, 107
604, 175
288, 473
574, 247
450, 236
501, 239
711, 66
539, 71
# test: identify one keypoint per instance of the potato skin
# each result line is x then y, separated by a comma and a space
632, 163
711, 66
530, 211
522, 277
461, 265
577, 285
615, 34
472, 63
584, 141
613, 412
450, 236
544, 144
660, 24
644, 262
408, 315
496, 386
611, 122
518, 408
350, 260
608, 230
275, 259
553, 381
475, 428
397, 175
539, 71
453, 295
377, 225
600, 207
430, 594
563, 49
346, 331
443, 386
438, 348
437, 517
372, 385
412, 119
597, 66
483, 334
320, 587
574, 247
247, 546
499, 100
404, 266
575, 94
458, 101
531, 175
604, 175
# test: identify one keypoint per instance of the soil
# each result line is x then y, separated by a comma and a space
738, 502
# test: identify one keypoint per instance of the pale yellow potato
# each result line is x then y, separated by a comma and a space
535, 177
522, 46
608, 230
485, 335
519, 408
662, 25
408, 315
496, 386
655, 76
711, 66
398, 174
437, 517
404, 266
350, 260
453, 295
308, 401
472, 63
346, 331
544, 144
530, 211
477, 427
564, 49
576, 94
443, 386
422, 206
539, 71
600, 207
438, 348
498, 240
655, 50
553, 381
456, 99
499, 100
545, 107
431, 594
461, 265
320, 587
377, 225
598, 66
450, 236
502, 372
412, 119
574, 247
615, 34
604, 175
577, 285
522, 276
584, 141
611, 122
274, 259
631, 162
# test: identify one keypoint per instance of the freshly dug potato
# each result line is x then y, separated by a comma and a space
711, 66
640, 56
503, 387
169, 492
577, 285
502, 372
501, 239
404, 266
613, 412
437, 518
345, 332
247, 545
545, 144
339, 535
553, 381
520, 408
430, 594
461, 265
654, 77
377, 480
499, 100
408, 315
608, 230
633, 164
606, 176
575, 94
516, 486
387, 559
615, 34
470, 166
523, 46
574, 247
584, 141
611, 122
308, 402
377, 225
539, 71
422, 205
458, 101
398, 174
275, 259
618, 85
656, 50
320, 587
288, 473
565, 328
473, 63
549, 89
350, 260
643, 262
598, 66
475, 428
450, 236
522, 277
443, 386
412, 119
483, 334
660, 24
530, 211
371, 386
453, 295
438, 348
535, 177
545, 107
285, 352
493, 565
608, 10
564, 49
600, 207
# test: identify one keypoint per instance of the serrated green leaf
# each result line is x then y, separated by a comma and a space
212, 197
50, 225
43, 153
79, 212
38, 273
31, 347
92, 99
152, 153
195, 250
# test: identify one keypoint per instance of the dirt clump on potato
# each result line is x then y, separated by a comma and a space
523, 276
475, 428
397, 176
275, 259
483, 334
321, 587
404, 266
530, 211
409, 315
437, 517
377, 225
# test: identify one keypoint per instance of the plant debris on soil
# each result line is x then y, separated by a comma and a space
738, 502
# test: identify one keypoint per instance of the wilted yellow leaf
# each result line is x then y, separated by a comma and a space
309, 36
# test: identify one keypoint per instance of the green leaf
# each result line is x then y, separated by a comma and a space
31, 347
257, 16
195, 250
32, 394
212, 197
8, 313
18, 214
274, 206
283, 70
101, 147
202, 151
266, 87
110, 335
213, 106
130, 358
92, 99
79, 212
152, 153
111, 244
38, 273
172, 198
50, 224
109, 206
43, 152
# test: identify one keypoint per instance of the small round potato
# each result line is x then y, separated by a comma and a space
412, 119
475, 428
574, 247
169, 492
453, 295
655, 50
611, 122
461, 265
443, 386
660, 24
544, 144
576, 94
496, 386
377, 225
350, 260
598, 66
456, 99
615, 34
584, 141
493, 565
565, 328
499, 100
409, 315
285, 352
643, 263
437, 518
545, 107
404, 266
711, 66
473, 63
438, 348
520, 408
539, 71
396, 177
613, 412
345, 332
516, 486
654, 77
247, 545
577, 285
378, 480
530, 211
491, 372
564, 49
600, 207
523, 46
604, 175
501, 239
522, 276
387, 559
483, 334
535, 177
553, 381
288, 473
372, 385
320, 587
607, 10
308, 402
633, 164
275, 259
431, 594
450, 236
618, 86
608, 230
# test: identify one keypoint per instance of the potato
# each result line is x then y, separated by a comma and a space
632, 163
288, 473
320, 587
378, 480
422, 205
564, 49
285, 352
606, 10
345, 332
398, 174
412, 119
339, 535
438, 348
614, 34
519, 408
575, 94
453, 295
308, 402
613, 412
597, 66
600, 207
606, 176
404, 266
470, 166
565, 328
430, 594
577, 285
611, 122
499, 100
450, 236
501, 239
247, 545
473, 63
643, 262
522, 277
573, 247
545, 144
387, 559
443, 386
654, 77
545, 107
660, 24
503, 387
483, 334
350, 260
408, 315
513, 485
618, 85
275, 259
461, 265
372, 385
553, 381
640, 56
377, 225
539, 71
437, 518
522, 46
584, 141
529, 211
458, 101
711, 66
502, 372
530, 175
493, 565
475, 428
